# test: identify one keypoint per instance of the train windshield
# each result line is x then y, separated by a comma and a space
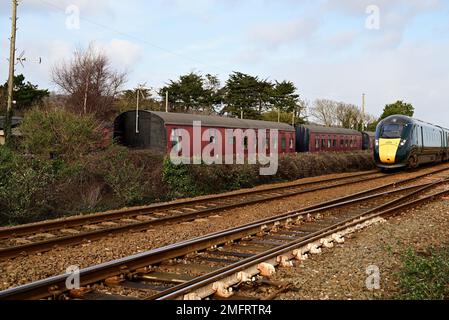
392, 131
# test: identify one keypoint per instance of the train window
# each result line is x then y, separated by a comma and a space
392, 131
323, 143
245, 143
284, 143
317, 143
213, 136
291, 143
334, 143
342, 143
174, 139
329, 143
231, 141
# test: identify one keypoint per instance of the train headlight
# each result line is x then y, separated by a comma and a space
403, 142
377, 142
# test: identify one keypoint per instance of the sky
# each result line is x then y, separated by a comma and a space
331, 49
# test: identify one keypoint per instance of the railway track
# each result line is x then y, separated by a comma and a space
211, 266
45, 236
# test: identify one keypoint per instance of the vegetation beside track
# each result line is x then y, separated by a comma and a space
53, 172
425, 275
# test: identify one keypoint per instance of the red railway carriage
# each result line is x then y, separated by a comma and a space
313, 138
160, 131
369, 139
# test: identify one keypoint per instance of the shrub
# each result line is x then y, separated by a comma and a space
59, 133
122, 176
24, 192
178, 179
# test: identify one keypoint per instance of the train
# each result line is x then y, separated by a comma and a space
159, 131
402, 141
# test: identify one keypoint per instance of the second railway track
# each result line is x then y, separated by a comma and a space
214, 264
44, 236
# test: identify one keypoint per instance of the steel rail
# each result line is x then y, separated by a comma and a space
218, 275
18, 231
55, 286
49, 244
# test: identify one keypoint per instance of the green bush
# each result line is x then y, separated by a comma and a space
425, 277
58, 133
178, 179
24, 188
122, 176
194, 180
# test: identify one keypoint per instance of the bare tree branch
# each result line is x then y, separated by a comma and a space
90, 83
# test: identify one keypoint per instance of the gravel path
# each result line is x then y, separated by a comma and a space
340, 273
34, 267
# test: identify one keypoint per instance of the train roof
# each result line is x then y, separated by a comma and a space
15, 121
330, 130
371, 134
407, 119
219, 122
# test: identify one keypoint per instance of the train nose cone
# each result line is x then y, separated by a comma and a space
388, 149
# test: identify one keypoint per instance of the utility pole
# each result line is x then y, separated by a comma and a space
279, 115
363, 112
166, 101
12, 58
85, 95
139, 93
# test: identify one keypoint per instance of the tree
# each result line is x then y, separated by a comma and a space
26, 94
324, 111
399, 107
246, 93
193, 92
127, 100
90, 83
348, 116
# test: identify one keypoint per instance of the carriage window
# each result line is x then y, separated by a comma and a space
329, 143
284, 143
317, 143
174, 138
335, 143
245, 143
323, 143
392, 131
291, 143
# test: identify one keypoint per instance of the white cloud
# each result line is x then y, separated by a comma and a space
414, 72
123, 54
273, 36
